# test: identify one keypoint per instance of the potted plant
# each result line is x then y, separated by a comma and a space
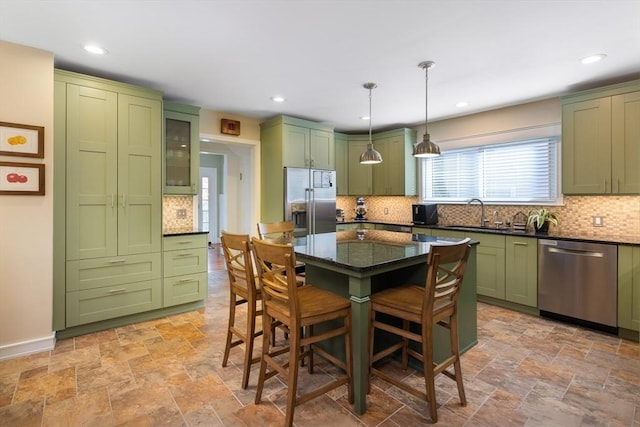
540, 219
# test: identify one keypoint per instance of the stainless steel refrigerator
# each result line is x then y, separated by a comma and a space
310, 200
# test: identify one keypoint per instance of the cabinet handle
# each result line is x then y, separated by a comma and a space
185, 280
124, 200
605, 185
184, 242
117, 261
115, 291
186, 254
112, 200
520, 244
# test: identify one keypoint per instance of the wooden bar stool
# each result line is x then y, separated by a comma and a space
243, 289
424, 306
299, 308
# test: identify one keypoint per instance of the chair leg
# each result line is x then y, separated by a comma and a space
232, 319
453, 325
266, 336
292, 386
310, 332
429, 374
249, 340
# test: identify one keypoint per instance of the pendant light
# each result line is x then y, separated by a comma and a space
426, 148
370, 156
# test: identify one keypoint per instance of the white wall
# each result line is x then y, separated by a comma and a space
26, 222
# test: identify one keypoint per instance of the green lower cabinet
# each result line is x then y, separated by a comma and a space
491, 264
521, 270
420, 230
185, 277
93, 305
629, 287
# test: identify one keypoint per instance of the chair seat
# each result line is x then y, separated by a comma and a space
406, 298
314, 303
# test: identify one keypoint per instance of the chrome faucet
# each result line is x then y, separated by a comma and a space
483, 220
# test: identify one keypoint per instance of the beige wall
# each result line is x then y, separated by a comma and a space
210, 125
26, 222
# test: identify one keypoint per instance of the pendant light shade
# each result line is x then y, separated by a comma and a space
426, 148
370, 156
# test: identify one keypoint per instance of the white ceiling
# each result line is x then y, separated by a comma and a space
233, 55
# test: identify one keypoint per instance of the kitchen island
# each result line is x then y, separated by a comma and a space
357, 263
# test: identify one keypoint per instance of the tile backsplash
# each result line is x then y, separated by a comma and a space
172, 209
620, 214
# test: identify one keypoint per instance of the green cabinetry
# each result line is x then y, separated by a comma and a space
629, 287
600, 135
491, 264
360, 176
521, 270
290, 142
181, 149
185, 268
342, 163
396, 175
108, 206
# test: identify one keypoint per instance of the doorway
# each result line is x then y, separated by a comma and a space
208, 203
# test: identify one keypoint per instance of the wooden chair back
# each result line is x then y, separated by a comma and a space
275, 264
446, 267
239, 262
282, 230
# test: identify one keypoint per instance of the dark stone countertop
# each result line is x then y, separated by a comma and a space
627, 239
182, 231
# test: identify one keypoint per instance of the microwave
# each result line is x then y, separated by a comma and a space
426, 214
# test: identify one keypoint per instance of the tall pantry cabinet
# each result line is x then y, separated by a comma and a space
108, 200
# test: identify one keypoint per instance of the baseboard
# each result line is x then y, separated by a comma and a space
11, 351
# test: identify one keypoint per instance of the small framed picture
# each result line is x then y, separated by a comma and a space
21, 140
21, 179
230, 127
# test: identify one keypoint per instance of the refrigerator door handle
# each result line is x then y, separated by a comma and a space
312, 210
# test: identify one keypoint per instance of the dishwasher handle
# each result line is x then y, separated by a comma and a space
576, 252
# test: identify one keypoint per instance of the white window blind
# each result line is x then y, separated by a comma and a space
518, 172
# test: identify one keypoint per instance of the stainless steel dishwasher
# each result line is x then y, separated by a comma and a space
578, 280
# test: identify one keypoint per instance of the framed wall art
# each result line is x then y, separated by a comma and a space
21, 140
24, 179
230, 127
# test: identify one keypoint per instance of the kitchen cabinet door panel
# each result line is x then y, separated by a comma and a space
91, 185
139, 172
521, 270
586, 147
625, 139
342, 164
360, 176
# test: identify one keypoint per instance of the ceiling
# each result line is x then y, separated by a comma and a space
234, 55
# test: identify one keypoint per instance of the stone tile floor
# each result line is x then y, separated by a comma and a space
525, 371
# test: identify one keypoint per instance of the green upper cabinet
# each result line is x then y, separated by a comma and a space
360, 176
113, 170
629, 287
342, 163
600, 134
521, 270
290, 142
181, 149
396, 175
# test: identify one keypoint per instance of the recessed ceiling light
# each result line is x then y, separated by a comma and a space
593, 58
277, 99
462, 104
95, 49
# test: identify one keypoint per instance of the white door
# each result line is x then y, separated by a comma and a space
208, 203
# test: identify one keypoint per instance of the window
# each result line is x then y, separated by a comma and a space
517, 172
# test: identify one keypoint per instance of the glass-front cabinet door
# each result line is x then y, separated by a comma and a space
181, 148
